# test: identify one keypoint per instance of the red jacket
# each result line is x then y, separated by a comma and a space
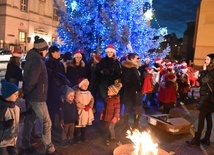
111, 108
147, 84
169, 92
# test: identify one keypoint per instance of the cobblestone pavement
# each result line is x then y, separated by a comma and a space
96, 141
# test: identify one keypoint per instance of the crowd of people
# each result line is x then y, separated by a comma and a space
68, 86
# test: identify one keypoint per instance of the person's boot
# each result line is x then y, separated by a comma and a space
125, 122
195, 141
206, 139
83, 134
76, 134
136, 121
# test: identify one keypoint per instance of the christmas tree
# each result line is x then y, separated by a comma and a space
93, 24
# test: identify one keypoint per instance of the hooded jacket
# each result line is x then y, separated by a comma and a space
35, 77
132, 83
9, 110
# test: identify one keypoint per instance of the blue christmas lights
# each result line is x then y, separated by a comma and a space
93, 24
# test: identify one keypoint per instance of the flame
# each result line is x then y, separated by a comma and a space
143, 144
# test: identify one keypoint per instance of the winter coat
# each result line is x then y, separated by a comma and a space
206, 80
147, 84
13, 72
56, 75
68, 112
84, 98
169, 92
131, 83
111, 108
74, 72
108, 70
8, 111
35, 78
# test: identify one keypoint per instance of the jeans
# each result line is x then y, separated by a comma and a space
111, 130
68, 131
41, 111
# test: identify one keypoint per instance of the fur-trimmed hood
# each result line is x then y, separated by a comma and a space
129, 64
72, 64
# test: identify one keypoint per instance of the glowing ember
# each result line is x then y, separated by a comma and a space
143, 144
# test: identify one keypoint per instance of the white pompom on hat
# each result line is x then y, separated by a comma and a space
110, 47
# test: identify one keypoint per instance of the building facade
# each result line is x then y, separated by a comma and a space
204, 36
22, 20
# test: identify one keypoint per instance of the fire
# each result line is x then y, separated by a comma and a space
143, 144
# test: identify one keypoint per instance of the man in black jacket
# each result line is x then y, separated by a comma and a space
35, 81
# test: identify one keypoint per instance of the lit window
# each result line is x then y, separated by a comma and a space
24, 5
22, 37
55, 16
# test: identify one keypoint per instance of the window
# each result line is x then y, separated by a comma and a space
55, 16
24, 5
22, 37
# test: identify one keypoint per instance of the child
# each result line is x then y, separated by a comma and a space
68, 116
85, 102
147, 86
170, 93
9, 118
111, 111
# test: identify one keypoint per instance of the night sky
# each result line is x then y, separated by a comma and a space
174, 14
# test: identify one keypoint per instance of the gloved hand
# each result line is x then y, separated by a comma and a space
8, 124
114, 120
87, 107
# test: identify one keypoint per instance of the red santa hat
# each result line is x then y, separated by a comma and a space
149, 69
17, 53
195, 73
171, 77
110, 47
82, 81
98, 58
158, 60
183, 63
169, 65
184, 69
77, 54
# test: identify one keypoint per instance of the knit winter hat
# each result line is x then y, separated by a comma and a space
7, 88
53, 49
17, 53
40, 44
110, 48
115, 88
82, 81
68, 91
